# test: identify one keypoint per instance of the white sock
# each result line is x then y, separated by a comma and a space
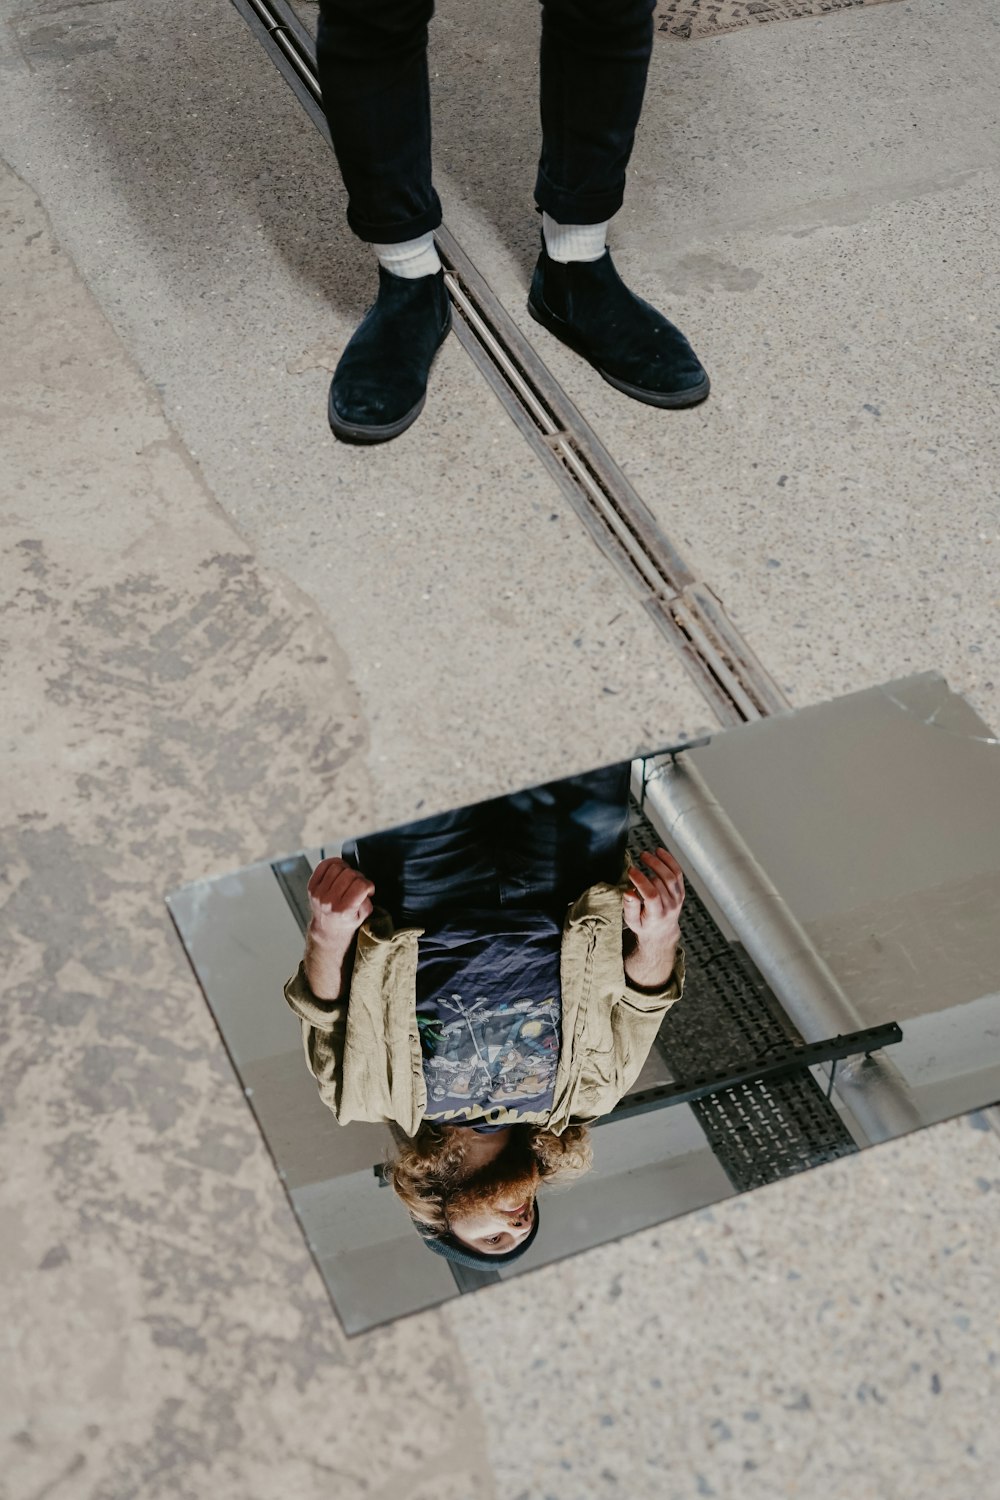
574, 241
412, 258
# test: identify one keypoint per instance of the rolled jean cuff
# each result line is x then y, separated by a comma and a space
397, 234
574, 208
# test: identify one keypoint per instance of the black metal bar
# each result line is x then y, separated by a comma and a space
779, 1065
289, 18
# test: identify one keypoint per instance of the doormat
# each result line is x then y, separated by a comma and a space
690, 20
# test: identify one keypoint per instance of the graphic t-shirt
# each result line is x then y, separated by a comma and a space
488, 1013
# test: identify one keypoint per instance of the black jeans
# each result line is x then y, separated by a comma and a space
376, 94
540, 848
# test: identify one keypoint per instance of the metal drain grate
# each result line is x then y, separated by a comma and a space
685, 610
767, 1130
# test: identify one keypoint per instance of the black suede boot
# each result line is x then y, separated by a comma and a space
380, 383
588, 307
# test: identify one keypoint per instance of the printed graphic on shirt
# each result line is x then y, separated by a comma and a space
479, 1056
489, 1014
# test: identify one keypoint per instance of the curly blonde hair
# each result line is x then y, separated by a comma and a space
426, 1170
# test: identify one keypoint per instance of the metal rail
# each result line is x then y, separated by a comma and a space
783, 1064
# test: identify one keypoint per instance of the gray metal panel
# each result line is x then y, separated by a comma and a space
935, 945
872, 796
303, 1134
380, 1282
877, 819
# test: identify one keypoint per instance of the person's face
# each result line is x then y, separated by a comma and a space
494, 1211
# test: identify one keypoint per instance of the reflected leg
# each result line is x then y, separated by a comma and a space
438, 864
555, 840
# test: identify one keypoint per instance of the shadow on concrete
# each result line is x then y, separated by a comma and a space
203, 140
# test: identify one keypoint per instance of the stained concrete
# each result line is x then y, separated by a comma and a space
170, 707
221, 650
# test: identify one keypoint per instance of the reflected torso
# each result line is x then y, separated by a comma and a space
488, 1012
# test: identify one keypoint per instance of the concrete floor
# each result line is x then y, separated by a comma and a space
228, 635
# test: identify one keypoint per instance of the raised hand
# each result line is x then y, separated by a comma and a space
652, 909
340, 900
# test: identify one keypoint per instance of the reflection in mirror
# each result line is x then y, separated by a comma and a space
488, 982
551, 1018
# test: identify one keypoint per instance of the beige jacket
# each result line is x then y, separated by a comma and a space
364, 1049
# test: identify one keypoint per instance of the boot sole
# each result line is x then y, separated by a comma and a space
672, 399
358, 432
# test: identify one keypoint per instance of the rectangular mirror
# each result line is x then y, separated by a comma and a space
533, 1025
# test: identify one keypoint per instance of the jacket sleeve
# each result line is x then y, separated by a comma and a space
324, 1027
635, 1020
609, 1025
665, 996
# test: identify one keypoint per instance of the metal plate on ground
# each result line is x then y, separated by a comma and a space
842, 867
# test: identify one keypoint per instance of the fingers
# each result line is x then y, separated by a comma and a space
667, 873
632, 911
322, 890
324, 871
658, 893
662, 863
355, 899
335, 886
350, 889
645, 885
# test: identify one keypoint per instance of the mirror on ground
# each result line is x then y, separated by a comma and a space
493, 1037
